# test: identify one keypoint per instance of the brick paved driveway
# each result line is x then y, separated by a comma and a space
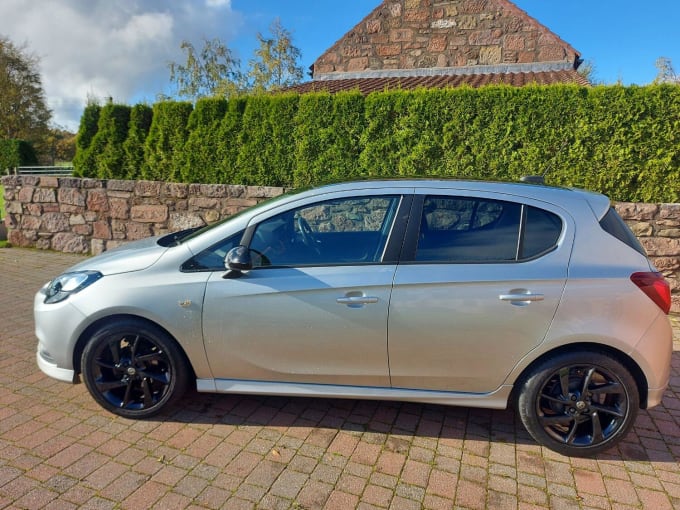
60, 450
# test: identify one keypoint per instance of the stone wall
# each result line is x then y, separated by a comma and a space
90, 216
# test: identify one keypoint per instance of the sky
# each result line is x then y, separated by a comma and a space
121, 48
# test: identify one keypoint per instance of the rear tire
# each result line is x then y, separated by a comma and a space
578, 403
134, 369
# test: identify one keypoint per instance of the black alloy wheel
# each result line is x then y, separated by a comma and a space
579, 404
133, 368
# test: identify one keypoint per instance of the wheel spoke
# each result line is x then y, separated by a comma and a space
114, 348
148, 397
611, 387
587, 379
105, 386
126, 399
105, 364
161, 377
152, 356
560, 419
608, 410
564, 382
550, 398
133, 349
598, 437
572, 433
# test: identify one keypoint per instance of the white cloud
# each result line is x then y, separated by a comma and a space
109, 49
218, 3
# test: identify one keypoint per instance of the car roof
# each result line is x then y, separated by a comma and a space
552, 194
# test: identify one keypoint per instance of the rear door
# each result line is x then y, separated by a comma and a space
480, 280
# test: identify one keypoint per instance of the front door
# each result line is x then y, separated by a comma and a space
315, 308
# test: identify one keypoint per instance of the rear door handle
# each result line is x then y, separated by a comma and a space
521, 297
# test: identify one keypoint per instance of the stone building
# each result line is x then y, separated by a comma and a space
438, 43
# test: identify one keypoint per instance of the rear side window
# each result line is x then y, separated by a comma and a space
614, 225
475, 230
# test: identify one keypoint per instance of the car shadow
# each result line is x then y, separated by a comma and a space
654, 438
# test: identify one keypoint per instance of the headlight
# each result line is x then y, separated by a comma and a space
69, 283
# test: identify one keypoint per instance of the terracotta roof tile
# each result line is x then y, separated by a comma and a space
368, 85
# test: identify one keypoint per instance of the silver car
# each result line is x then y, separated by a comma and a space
457, 293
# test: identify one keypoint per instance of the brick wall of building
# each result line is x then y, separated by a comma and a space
427, 34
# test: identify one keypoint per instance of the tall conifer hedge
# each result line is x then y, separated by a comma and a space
622, 141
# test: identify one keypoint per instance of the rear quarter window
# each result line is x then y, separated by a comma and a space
614, 225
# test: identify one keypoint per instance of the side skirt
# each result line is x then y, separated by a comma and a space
497, 399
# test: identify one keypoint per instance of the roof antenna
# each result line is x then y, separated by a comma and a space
540, 179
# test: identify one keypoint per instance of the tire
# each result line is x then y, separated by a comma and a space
134, 369
578, 403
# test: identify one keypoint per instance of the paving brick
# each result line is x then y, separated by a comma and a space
59, 449
378, 496
339, 500
314, 494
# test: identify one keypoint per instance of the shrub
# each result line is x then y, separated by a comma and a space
14, 153
106, 150
165, 143
83, 164
133, 147
200, 157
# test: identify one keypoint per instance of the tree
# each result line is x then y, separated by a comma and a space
666, 72
23, 109
588, 70
213, 71
60, 146
276, 62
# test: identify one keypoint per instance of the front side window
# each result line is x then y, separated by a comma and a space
479, 230
342, 231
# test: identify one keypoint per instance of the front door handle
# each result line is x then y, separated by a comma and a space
356, 301
521, 297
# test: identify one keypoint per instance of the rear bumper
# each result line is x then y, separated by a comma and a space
653, 353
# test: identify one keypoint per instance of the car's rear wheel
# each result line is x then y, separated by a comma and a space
133, 368
578, 403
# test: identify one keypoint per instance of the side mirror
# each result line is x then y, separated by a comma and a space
237, 261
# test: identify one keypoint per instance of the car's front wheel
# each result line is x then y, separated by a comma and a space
578, 403
133, 368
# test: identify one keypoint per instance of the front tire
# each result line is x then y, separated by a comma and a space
134, 369
578, 403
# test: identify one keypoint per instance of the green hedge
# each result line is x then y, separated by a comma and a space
622, 141
15, 153
141, 116
84, 164
164, 146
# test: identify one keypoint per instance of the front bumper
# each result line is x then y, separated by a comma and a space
51, 369
57, 327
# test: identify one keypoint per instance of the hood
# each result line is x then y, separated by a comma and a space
130, 257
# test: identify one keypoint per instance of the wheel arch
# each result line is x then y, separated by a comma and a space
89, 331
623, 358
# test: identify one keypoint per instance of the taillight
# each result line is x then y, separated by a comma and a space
655, 286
